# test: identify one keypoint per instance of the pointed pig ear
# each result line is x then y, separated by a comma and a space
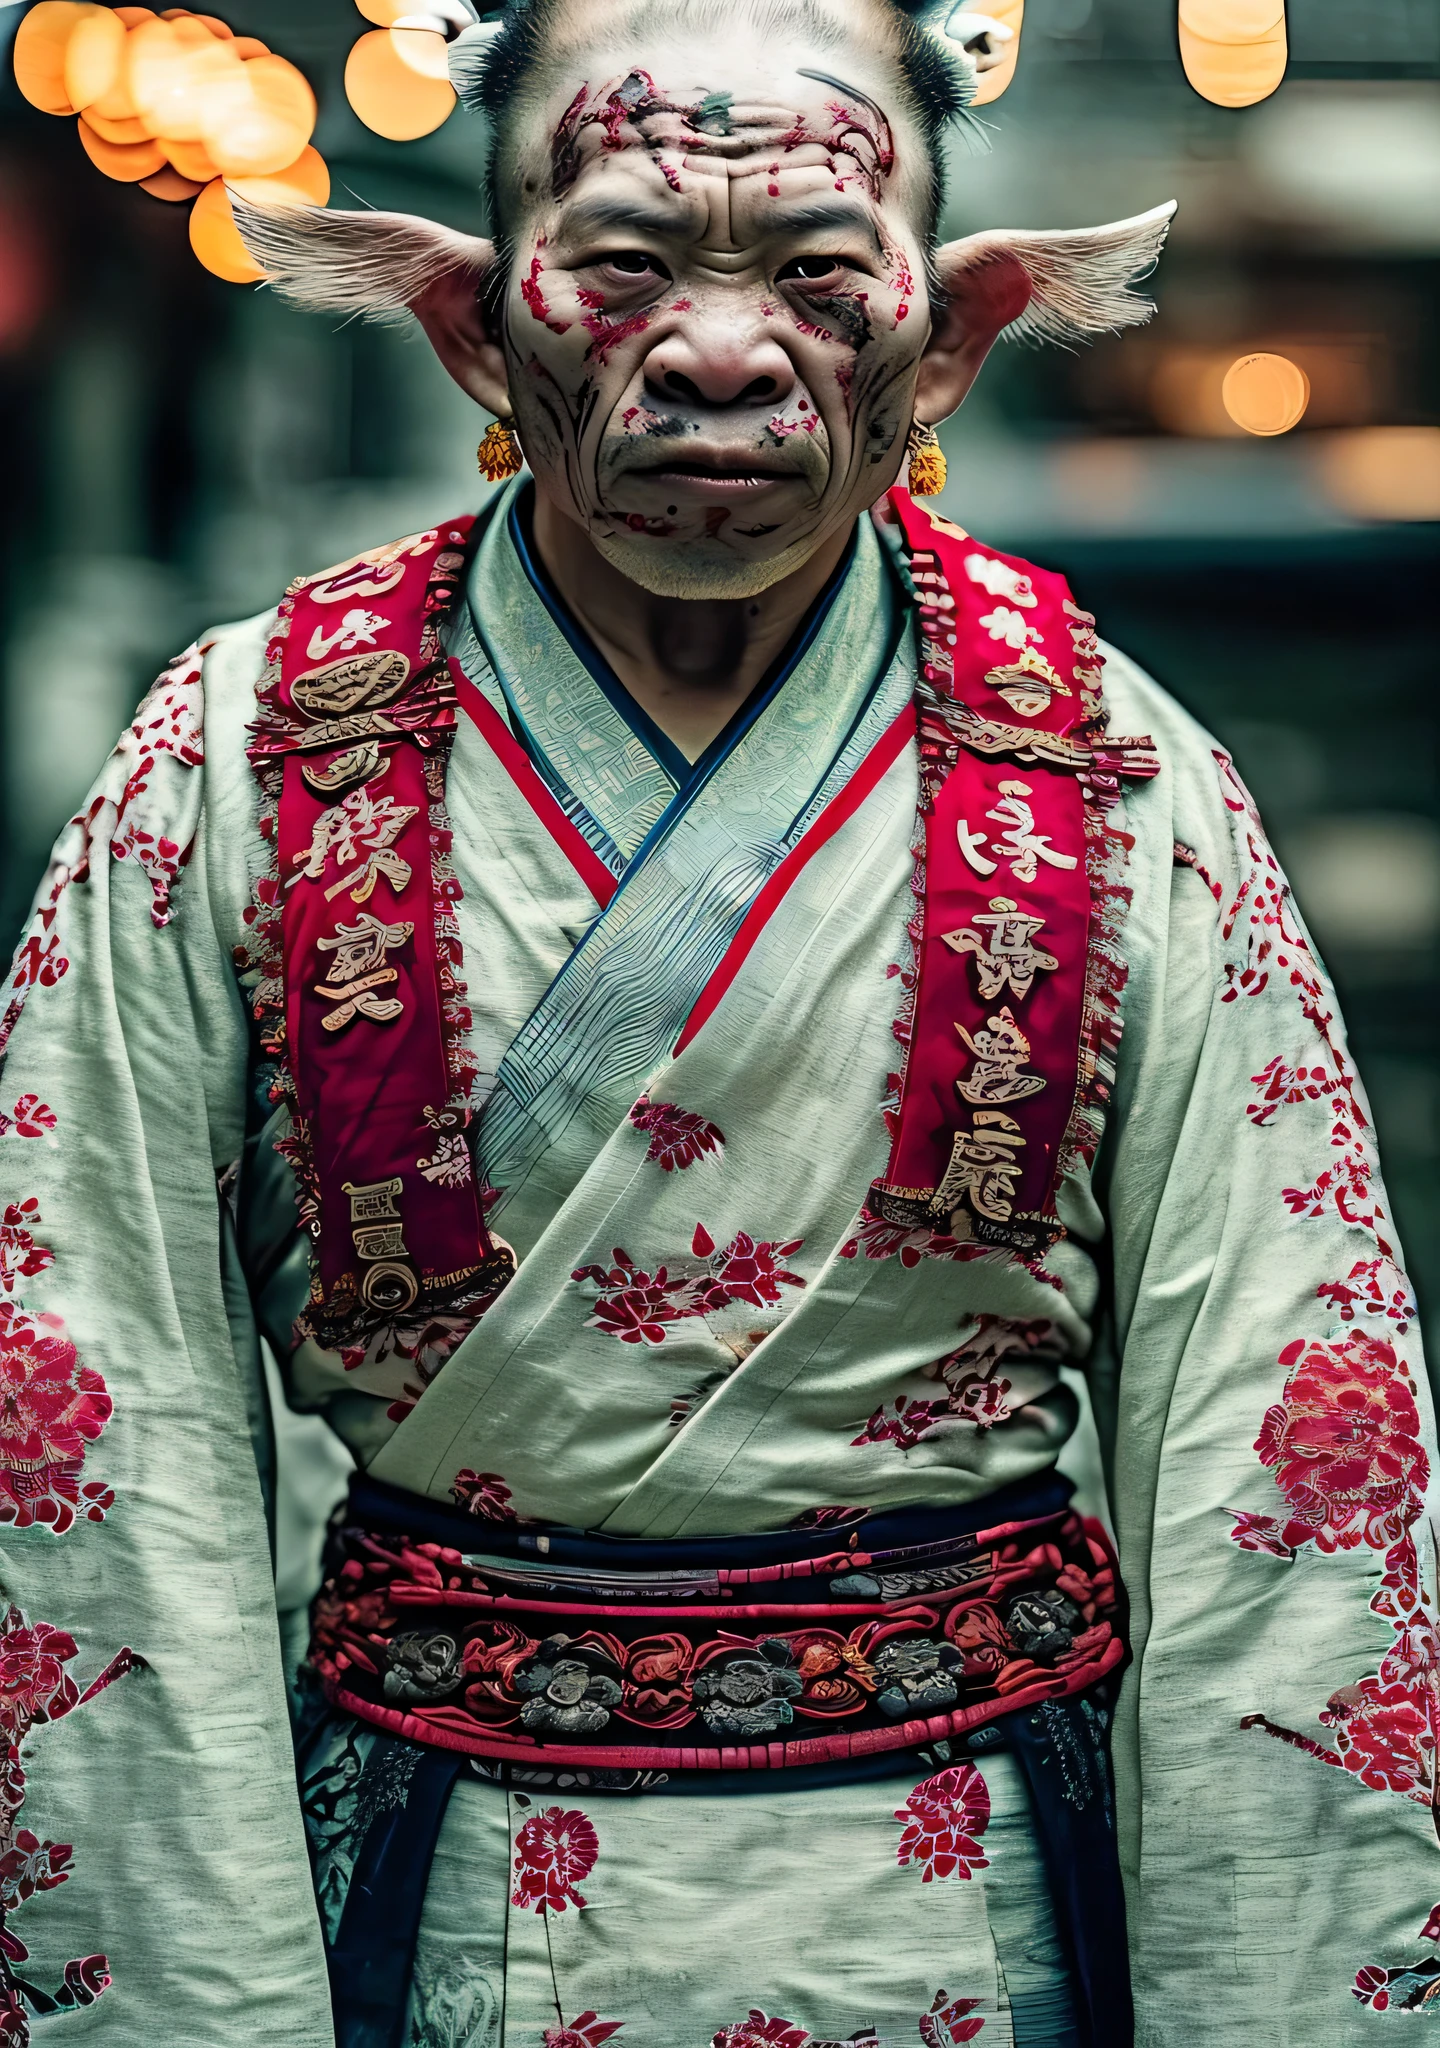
385, 267
1022, 285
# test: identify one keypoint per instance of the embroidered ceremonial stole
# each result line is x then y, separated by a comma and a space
613, 1013
361, 1002
1010, 1021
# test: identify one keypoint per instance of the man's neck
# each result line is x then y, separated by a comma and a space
690, 663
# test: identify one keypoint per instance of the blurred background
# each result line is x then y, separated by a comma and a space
176, 448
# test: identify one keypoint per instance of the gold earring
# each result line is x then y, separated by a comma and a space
927, 462
499, 453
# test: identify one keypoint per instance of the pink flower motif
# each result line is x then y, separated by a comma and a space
32, 1118
981, 1400
678, 1137
51, 1406
34, 1685
554, 1849
1280, 1084
1383, 1735
1431, 1930
588, 2031
634, 1305
755, 1273
943, 1817
908, 1424
1344, 1445
1375, 1287
30, 1866
484, 1494
759, 2031
20, 1256
1346, 1186
1259, 1532
1412, 1988
949, 2021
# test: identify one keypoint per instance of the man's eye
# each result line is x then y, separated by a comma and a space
808, 269
633, 263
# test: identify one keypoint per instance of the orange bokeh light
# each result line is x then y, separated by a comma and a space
168, 184
1234, 51
39, 58
389, 94
1010, 14
128, 162
94, 54
176, 103
1265, 394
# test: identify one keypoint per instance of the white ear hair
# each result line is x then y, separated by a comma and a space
372, 264
1080, 278
468, 55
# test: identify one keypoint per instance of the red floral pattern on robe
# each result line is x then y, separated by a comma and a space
554, 1850
51, 1406
760, 2031
943, 1819
678, 1137
588, 2031
1344, 1444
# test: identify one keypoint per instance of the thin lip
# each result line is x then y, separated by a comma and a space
730, 477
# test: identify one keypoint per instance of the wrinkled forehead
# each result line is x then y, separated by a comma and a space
670, 121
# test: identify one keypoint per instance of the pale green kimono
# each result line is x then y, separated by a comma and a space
1233, 1213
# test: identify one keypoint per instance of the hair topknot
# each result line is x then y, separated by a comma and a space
495, 68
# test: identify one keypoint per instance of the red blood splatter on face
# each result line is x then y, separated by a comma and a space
608, 334
533, 294
802, 405
659, 528
683, 306
590, 298
773, 189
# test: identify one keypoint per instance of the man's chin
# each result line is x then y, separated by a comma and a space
699, 569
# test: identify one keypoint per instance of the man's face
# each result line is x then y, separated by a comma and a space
717, 309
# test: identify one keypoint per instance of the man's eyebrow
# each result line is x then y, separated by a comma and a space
804, 216
591, 216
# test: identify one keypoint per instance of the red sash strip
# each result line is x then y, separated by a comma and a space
1014, 957
361, 1000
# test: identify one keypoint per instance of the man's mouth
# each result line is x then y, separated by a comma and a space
726, 476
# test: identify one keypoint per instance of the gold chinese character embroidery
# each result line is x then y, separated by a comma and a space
379, 1236
360, 826
984, 1169
998, 1073
1006, 956
1020, 844
359, 969
1028, 683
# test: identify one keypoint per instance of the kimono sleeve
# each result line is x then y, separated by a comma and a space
1273, 1446
151, 1853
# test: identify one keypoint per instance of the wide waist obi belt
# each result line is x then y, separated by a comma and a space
735, 1653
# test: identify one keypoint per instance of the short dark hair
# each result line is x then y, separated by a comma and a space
938, 90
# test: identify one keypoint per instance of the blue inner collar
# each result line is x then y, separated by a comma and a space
687, 775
